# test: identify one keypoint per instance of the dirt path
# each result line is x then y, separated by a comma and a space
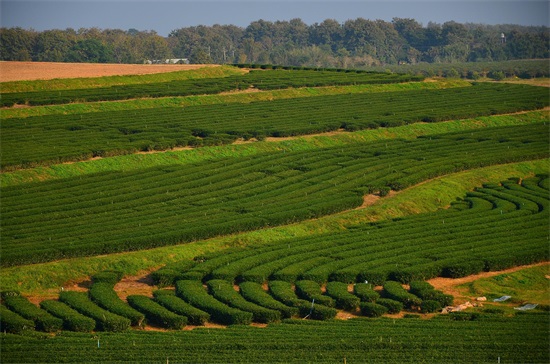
26, 71
450, 285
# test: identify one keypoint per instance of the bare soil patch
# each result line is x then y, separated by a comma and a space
450, 285
141, 285
25, 71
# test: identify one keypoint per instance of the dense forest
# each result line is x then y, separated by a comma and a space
355, 43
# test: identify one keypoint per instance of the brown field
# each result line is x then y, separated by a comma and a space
25, 71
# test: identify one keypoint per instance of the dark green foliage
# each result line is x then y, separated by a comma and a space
105, 296
343, 298
43, 320
111, 277
7, 294
194, 293
392, 305
105, 320
169, 274
12, 322
463, 268
283, 292
157, 314
254, 292
72, 320
223, 291
372, 309
430, 306
464, 316
426, 291
395, 291
365, 292
180, 307
310, 290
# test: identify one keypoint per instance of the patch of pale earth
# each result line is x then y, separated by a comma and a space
25, 71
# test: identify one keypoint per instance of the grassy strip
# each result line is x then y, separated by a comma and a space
240, 97
525, 286
46, 279
94, 82
139, 161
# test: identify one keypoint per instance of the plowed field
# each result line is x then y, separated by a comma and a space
24, 71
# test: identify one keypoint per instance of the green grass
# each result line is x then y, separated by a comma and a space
239, 97
94, 82
530, 285
139, 161
43, 279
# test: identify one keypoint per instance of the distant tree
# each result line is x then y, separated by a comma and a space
90, 51
200, 56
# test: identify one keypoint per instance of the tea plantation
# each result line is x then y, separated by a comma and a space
280, 300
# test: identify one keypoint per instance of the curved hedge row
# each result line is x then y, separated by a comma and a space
104, 295
194, 293
156, 313
254, 292
105, 320
12, 322
223, 291
175, 304
72, 320
43, 320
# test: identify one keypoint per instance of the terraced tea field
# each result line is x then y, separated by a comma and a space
274, 233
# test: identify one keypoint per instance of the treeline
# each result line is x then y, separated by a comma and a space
353, 44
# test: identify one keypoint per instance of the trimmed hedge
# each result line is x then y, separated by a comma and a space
392, 305
105, 296
12, 322
343, 298
170, 273
283, 292
395, 291
156, 313
430, 306
194, 293
372, 309
108, 276
426, 291
254, 292
463, 268
223, 291
180, 307
365, 292
72, 320
105, 320
311, 290
43, 320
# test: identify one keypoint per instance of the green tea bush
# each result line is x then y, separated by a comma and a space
365, 292
12, 322
395, 291
72, 320
343, 298
254, 292
372, 309
223, 291
43, 320
392, 305
310, 290
105, 320
463, 268
105, 296
194, 293
177, 305
111, 277
157, 314
430, 306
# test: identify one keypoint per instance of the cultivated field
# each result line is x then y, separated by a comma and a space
27, 71
328, 216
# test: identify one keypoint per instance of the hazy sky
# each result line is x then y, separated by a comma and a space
164, 16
